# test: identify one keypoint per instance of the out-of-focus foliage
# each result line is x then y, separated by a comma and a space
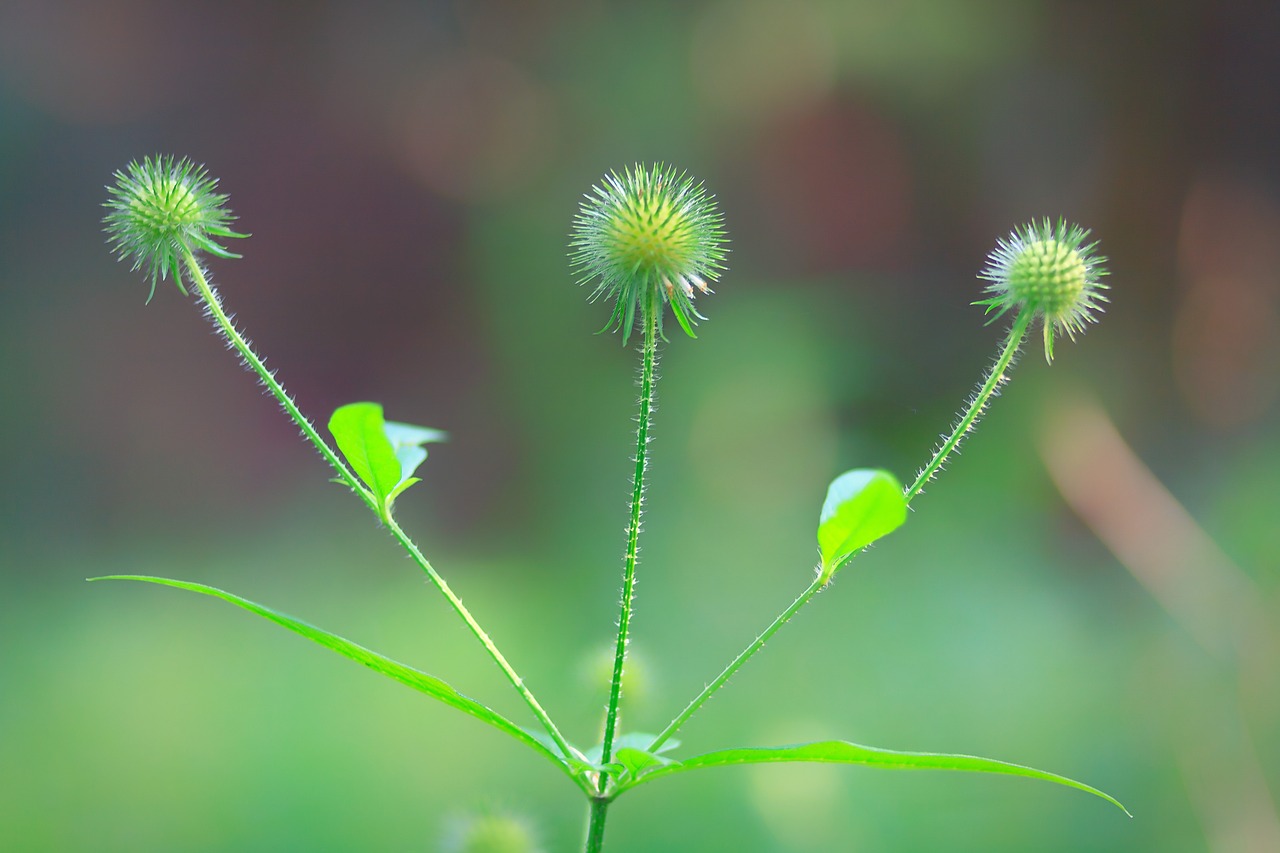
409, 172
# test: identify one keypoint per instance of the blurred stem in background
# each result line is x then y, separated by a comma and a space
1201, 588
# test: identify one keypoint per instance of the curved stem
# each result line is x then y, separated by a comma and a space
977, 405
228, 329
595, 824
746, 655
233, 336
650, 358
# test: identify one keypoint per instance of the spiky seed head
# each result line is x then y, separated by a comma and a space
646, 237
1049, 271
161, 207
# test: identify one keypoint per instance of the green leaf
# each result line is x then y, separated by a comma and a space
383, 454
637, 762
862, 505
843, 752
407, 440
407, 435
420, 681
630, 754
358, 430
401, 486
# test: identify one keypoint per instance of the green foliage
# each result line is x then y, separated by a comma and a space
384, 454
420, 681
646, 238
632, 755
843, 752
862, 506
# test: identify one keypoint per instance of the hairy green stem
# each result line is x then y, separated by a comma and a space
595, 824
255, 363
650, 358
229, 331
783, 618
516, 681
965, 423
969, 418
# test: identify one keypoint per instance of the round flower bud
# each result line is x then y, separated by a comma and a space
161, 209
645, 237
1050, 272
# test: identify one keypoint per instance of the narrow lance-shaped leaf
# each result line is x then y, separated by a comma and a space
862, 505
420, 681
843, 752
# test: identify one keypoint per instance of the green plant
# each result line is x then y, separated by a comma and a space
647, 238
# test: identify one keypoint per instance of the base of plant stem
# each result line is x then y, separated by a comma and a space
595, 824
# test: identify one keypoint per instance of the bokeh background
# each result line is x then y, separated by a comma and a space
1091, 588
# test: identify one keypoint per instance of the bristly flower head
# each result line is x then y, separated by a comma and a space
649, 236
1050, 272
160, 209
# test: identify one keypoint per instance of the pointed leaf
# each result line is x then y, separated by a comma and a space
862, 505
637, 762
420, 681
384, 454
409, 457
404, 484
843, 752
407, 440
358, 430
408, 435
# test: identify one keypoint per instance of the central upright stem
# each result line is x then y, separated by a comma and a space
650, 358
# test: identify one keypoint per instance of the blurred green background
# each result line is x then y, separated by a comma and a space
409, 172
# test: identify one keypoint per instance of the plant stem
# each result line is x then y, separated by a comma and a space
595, 825
228, 329
966, 422
977, 405
483, 637
650, 358
746, 655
